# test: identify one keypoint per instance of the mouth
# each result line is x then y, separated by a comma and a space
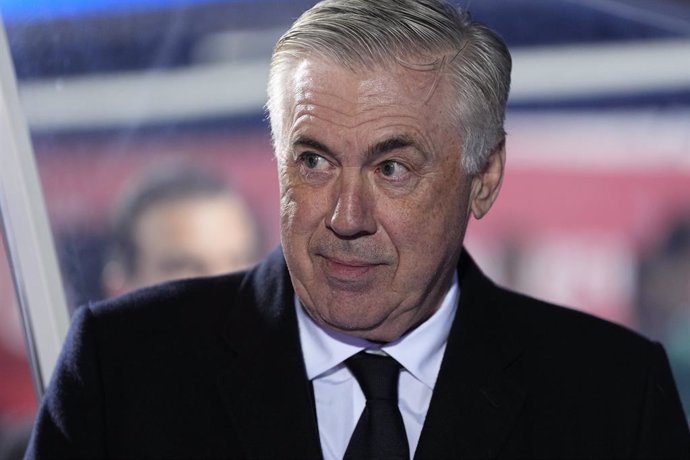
347, 270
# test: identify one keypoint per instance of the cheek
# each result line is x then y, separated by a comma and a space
288, 208
302, 209
289, 218
288, 201
432, 223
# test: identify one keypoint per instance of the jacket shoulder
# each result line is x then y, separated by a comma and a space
201, 295
567, 328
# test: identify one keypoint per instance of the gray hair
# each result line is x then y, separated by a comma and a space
368, 34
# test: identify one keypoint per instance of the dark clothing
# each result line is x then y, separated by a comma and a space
211, 368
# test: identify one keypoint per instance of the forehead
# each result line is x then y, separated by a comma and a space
196, 221
322, 85
178, 209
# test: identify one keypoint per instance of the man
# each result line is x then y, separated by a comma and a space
176, 222
387, 119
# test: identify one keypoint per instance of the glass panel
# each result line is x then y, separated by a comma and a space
29, 240
593, 208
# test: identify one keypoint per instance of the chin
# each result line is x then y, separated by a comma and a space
373, 329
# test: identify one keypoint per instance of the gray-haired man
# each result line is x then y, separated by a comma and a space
371, 333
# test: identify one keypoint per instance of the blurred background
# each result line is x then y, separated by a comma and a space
594, 211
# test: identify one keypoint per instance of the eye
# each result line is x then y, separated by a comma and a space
313, 168
392, 169
313, 161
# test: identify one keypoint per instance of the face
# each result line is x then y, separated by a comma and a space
199, 236
374, 203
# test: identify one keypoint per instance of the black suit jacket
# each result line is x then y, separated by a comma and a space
212, 368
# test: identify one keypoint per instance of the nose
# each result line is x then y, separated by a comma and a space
352, 214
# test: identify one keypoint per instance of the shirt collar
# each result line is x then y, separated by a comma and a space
420, 351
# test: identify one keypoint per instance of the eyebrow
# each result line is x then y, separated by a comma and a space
376, 150
388, 145
312, 143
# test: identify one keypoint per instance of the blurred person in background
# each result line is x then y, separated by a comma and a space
178, 221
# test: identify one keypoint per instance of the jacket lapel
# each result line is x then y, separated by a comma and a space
264, 384
478, 394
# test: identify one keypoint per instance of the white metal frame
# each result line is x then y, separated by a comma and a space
27, 231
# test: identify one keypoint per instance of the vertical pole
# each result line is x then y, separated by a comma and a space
28, 236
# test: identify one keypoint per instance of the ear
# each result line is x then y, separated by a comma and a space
487, 183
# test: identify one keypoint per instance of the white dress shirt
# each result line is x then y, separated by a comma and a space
339, 399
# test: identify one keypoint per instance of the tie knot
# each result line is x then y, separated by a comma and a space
377, 375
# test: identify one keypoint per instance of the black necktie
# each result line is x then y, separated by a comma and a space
380, 433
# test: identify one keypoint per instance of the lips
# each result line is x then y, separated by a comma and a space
347, 269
